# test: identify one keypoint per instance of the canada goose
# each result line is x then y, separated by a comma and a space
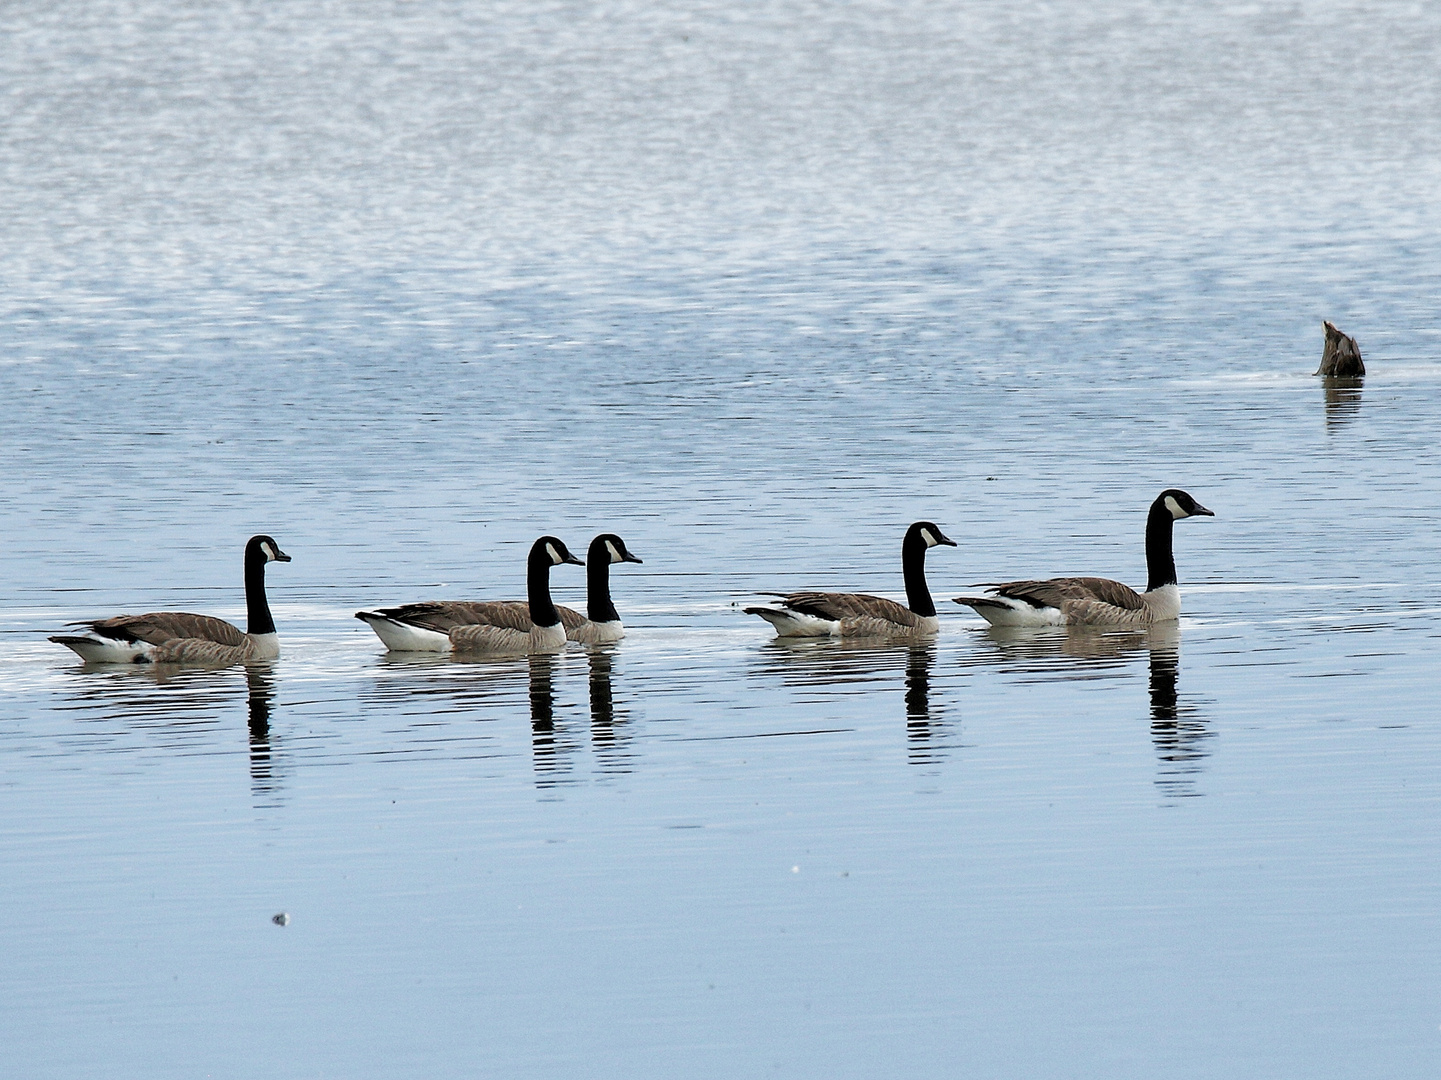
496, 626
823, 614
601, 624
1099, 601
177, 637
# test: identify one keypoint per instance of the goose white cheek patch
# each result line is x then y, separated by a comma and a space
1175, 507
614, 554
554, 558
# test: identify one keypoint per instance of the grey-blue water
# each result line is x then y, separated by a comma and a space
754, 285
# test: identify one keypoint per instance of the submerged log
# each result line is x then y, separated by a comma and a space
1340, 358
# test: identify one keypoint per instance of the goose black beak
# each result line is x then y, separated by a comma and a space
946, 540
280, 556
573, 560
1201, 511
628, 557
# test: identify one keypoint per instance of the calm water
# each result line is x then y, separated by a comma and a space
754, 286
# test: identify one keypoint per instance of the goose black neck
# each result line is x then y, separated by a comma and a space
598, 607
257, 610
537, 588
1160, 562
913, 564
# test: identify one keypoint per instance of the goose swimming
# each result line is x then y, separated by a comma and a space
601, 623
826, 614
494, 626
1097, 601
1340, 356
178, 637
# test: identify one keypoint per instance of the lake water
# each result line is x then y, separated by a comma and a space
754, 285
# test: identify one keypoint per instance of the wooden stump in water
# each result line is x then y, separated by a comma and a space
1340, 358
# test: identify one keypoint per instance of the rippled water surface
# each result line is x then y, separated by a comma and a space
755, 286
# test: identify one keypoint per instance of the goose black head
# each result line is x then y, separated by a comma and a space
1181, 505
929, 533
611, 548
552, 549
264, 548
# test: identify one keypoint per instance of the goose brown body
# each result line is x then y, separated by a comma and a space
180, 637
837, 614
1098, 601
487, 626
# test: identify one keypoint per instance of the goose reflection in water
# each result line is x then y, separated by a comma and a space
830, 663
433, 683
923, 723
1178, 730
609, 736
264, 783
1072, 652
552, 752
165, 699
494, 689
186, 708
1343, 400
461, 706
